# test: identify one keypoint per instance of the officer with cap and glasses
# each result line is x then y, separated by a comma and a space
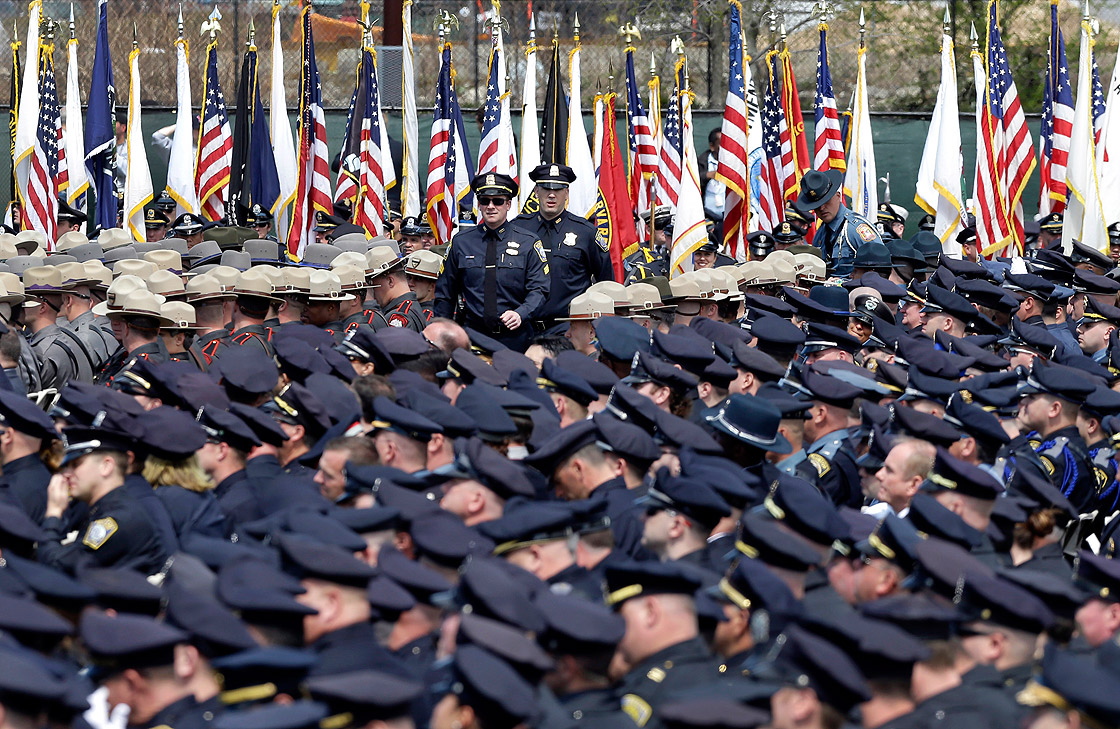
1049, 404
500, 271
117, 530
578, 254
1050, 229
652, 255
843, 231
189, 227
260, 220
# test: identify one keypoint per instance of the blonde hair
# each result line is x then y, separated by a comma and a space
187, 473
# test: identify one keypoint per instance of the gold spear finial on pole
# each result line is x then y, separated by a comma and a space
782, 33
252, 34
822, 10
947, 22
862, 29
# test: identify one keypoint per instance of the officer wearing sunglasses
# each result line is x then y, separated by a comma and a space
499, 271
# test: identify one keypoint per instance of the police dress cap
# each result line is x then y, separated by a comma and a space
524, 523
563, 444
648, 368
1029, 284
621, 338
488, 588
482, 463
122, 590
751, 585
405, 421
776, 336
25, 417
974, 421
894, 540
820, 337
828, 389
117, 642
824, 304
478, 401
170, 434
154, 218
454, 422
358, 697
421, 581
1098, 576
28, 684
79, 441
1030, 338
808, 661
577, 626
468, 367
212, 628
880, 649
500, 697
817, 188
258, 675
302, 407
873, 256
261, 593
247, 369
553, 176
952, 474
684, 711
510, 644
1096, 311
599, 376
258, 215
627, 579
494, 183
1082, 253
992, 599
939, 300
763, 539
750, 419
188, 224
295, 715
943, 566
30, 622
1072, 681
1059, 594
759, 304
554, 378
308, 558
921, 615
686, 348
754, 360
368, 520
924, 426
930, 518
625, 439
263, 426
1056, 380
691, 497
18, 532
1095, 284
803, 508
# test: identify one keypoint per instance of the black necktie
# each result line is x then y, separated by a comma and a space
490, 284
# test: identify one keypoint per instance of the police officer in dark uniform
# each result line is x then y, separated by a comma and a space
500, 271
578, 254
254, 295
260, 220
665, 655
831, 453
386, 275
117, 532
652, 255
155, 224
843, 231
139, 313
1050, 401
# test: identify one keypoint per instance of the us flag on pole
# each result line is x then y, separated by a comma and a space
215, 144
770, 202
313, 187
829, 151
491, 120
1098, 101
441, 160
642, 153
1004, 124
732, 169
375, 175
669, 166
1057, 123
41, 206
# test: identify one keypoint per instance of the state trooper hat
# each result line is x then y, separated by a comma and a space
817, 188
494, 183
553, 176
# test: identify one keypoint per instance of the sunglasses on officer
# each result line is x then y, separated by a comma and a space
495, 201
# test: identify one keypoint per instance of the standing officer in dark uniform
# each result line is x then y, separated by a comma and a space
500, 270
578, 254
653, 255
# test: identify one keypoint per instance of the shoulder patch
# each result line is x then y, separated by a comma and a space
866, 232
1048, 465
602, 241
820, 463
1102, 478
539, 248
397, 320
99, 531
637, 708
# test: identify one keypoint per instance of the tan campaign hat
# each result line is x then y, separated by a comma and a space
327, 286
140, 302
111, 238
134, 267
296, 280
589, 305
117, 290
13, 286
66, 241
31, 241
181, 314
353, 277
206, 288
811, 267
349, 258
255, 283
424, 264
99, 273
42, 280
643, 297
74, 274
167, 284
166, 260
382, 259
613, 289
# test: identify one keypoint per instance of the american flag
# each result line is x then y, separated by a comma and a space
771, 205
313, 189
346, 185
215, 144
829, 151
732, 169
643, 155
1057, 123
441, 160
669, 166
41, 203
491, 120
1000, 220
369, 214
1098, 101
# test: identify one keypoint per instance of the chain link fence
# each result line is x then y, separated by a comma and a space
902, 38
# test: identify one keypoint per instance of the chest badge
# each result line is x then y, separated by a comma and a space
569, 239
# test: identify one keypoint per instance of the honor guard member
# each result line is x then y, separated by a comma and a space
254, 296
69, 219
25, 430
260, 220
891, 220
1050, 229
662, 643
1049, 404
708, 256
843, 231
578, 254
388, 279
500, 271
118, 531
652, 255
155, 224
411, 239
189, 227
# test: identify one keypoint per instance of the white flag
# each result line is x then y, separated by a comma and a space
584, 191
597, 136
73, 138
138, 178
507, 146
180, 165
860, 179
1108, 149
530, 135
690, 226
28, 121
283, 148
410, 195
1084, 219
939, 175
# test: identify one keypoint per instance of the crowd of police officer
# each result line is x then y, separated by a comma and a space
852, 481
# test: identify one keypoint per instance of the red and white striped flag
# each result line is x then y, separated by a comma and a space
732, 169
41, 196
771, 205
215, 144
828, 153
1057, 123
639, 139
313, 189
672, 146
